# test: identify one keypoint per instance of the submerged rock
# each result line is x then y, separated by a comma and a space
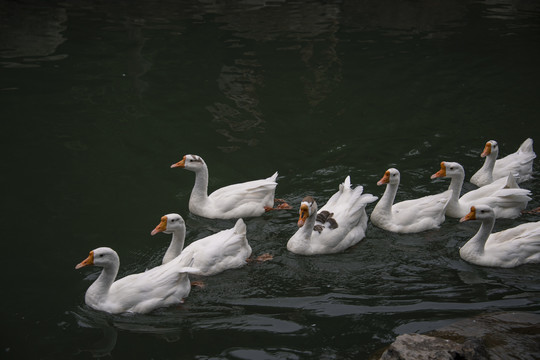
508, 335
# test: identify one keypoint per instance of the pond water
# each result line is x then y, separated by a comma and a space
99, 99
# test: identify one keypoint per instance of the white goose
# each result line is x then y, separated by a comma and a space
247, 199
519, 164
409, 216
504, 195
339, 224
508, 248
164, 285
227, 249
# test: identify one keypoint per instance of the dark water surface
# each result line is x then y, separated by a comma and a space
98, 98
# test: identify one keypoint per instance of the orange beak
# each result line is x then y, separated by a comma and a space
162, 226
487, 150
385, 179
180, 164
469, 216
88, 261
440, 173
304, 213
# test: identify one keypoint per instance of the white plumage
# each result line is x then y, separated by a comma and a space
519, 164
409, 216
504, 195
508, 248
162, 286
240, 200
339, 224
227, 249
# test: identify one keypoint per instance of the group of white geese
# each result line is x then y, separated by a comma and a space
338, 225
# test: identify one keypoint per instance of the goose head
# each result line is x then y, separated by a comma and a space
479, 212
169, 223
308, 207
391, 176
491, 148
190, 162
449, 169
102, 257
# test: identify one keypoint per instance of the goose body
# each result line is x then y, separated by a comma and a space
508, 248
240, 200
227, 249
409, 216
519, 164
340, 223
504, 195
162, 286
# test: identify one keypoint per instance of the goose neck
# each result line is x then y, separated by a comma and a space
456, 183
387, 200
475, 246
100, 288
200, 188
489, 163
307, 229
176, 245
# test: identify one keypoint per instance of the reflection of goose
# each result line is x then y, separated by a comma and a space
161, 286
519, 164
339, 224
104, 346
503, 195
227, 249
246, 199
508, 248
408, 216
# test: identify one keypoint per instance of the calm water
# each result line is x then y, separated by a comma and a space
99, 98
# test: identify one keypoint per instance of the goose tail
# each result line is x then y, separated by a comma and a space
240, 227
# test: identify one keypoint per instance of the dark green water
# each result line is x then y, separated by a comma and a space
99, 98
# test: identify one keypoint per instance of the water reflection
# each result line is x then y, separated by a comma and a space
511, 9
239, 83
30, 33
310, 25
178, 324
251, 74
109, 327
137, 65
107, 340
428, 19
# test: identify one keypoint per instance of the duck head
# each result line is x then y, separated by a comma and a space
491, 148
102, 257
308, 207
449, 169
190, 162
479, 212
391, 176
169, 223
